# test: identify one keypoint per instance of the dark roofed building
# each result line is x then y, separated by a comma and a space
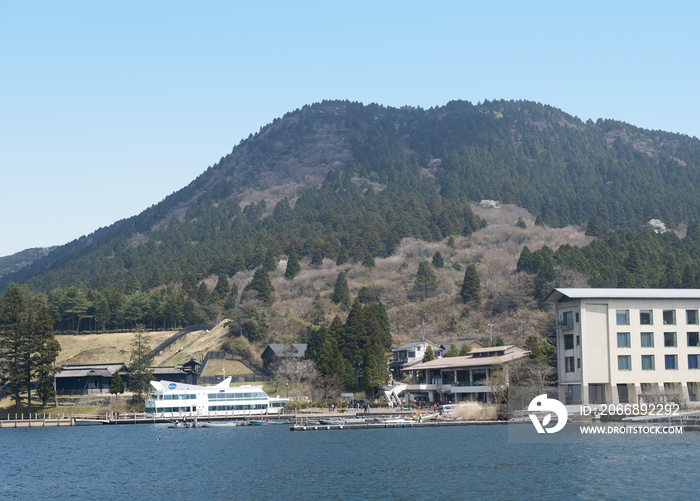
88, 379
187, 373
275, 353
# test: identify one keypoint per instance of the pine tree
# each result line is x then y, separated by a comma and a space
117, 385
342, 257
471, 286
593, 227
426, 283
368, 261
429, 354
453, 351
464, 350
270, 263
139, 373
671, 278
222, 288
438, 262
14, 349
341, 291
688, 279
293, 267
261, 285
47, 350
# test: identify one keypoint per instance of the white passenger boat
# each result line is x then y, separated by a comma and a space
179, 400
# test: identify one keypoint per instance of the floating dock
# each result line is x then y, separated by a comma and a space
376, 425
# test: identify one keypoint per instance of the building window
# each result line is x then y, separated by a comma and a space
693, 339
578, 340
648, 362
671, 361
669, 339
623, 317
567, 319
647, 339
646, 317
578, 363
623, 339
669, 317
624, 363
568, 341
693, 361
569, 364
691, 317
693, 392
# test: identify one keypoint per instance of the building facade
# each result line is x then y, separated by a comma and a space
627, 345
459, 379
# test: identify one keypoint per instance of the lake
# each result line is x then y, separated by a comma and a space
271, 462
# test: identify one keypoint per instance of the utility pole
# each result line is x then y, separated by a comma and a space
491, 332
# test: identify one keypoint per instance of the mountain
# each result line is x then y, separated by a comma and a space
15, 262
344, 180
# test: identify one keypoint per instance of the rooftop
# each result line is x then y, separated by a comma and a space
558, 295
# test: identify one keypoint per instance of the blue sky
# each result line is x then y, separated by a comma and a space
107, 107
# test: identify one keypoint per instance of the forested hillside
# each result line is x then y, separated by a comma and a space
344, 181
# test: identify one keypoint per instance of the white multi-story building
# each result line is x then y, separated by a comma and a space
627, 345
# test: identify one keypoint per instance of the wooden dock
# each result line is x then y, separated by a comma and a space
36, 422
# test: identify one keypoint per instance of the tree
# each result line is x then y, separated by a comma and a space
464, 350
270, 263
139, 373
368, 261
260, 284
471, 285
116, 386
341, 291
593, 227
294, 372
429, 354
47, 350
453, 351
425, 284
222, 288
293, 267
14, 348
438, 262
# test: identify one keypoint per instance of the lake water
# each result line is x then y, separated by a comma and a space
469, 462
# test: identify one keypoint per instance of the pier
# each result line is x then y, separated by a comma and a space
376, 425
20, 421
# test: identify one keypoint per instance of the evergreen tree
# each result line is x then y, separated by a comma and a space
379, 311
260, 284
429, 354
14, 347
222, 288
671, 278
341, 291
116, 386
293, 266
270, 263
688, 279
47, 350
368, 261
593, 227
426, 283
464, 350
539, 221
342, 257
438, 262
471, 285
635, 267
452, 351
141, 359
